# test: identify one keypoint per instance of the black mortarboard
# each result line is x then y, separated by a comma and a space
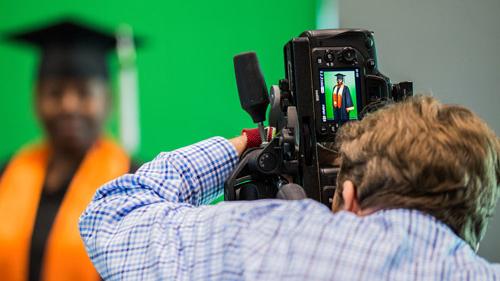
69, 48
340, 76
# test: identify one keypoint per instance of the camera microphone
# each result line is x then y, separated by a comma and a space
252, 89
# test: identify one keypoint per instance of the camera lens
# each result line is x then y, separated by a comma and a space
329, 56
349, 54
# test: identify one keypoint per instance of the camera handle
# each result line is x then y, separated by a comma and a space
256, 176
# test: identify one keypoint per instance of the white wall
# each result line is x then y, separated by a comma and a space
449, 47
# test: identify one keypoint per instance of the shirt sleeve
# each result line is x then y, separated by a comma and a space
142, 223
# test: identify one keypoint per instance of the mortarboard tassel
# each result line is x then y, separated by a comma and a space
129, 129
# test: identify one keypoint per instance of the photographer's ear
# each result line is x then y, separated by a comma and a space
349, 197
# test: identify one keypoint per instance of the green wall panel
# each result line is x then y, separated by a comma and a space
187, 87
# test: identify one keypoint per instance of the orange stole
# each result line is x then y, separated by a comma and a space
337, 97
21, 185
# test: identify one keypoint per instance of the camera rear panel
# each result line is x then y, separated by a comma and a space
337, 88
344, 76
332, 76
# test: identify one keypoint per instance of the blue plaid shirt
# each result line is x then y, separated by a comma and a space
153, 225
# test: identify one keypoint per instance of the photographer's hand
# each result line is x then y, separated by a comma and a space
240, 143
251, 138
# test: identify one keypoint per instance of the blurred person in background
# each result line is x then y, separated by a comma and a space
46, 186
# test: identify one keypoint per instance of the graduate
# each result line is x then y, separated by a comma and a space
341, 99
45, 187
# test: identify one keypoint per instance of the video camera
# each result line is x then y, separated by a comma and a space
331, 78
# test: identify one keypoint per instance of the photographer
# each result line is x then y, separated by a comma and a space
417, 184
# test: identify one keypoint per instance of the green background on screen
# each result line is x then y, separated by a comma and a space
177, 107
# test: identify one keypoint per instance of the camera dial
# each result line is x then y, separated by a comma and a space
329, 56
349, 54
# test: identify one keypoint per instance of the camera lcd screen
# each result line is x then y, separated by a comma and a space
339, 94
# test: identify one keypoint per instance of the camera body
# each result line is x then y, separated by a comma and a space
331, 78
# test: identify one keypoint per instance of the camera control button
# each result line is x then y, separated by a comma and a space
323, 129
267, 162
329, 56
349, 55
370, 63
369, 42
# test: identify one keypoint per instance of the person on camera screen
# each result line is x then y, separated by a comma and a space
418, 181
342, 100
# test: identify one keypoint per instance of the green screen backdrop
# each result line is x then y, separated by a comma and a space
187, 90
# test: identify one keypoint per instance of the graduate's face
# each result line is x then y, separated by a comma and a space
72, 111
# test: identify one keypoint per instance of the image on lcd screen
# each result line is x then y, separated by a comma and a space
339, 95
